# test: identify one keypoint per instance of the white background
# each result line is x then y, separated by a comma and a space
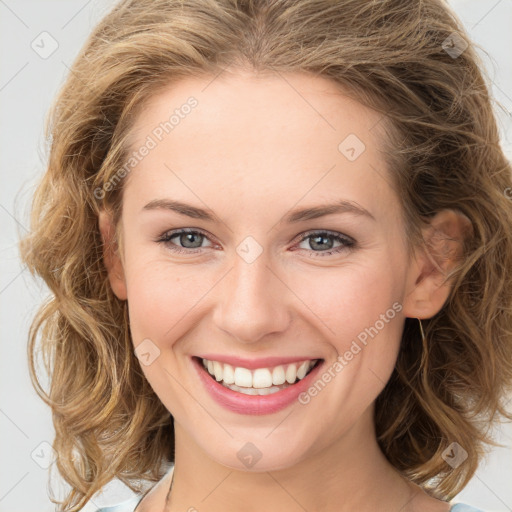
28, 84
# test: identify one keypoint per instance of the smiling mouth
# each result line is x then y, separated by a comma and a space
260, 381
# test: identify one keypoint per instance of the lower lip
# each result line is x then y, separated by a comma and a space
254, 404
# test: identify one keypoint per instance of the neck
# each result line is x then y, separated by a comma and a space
351, 474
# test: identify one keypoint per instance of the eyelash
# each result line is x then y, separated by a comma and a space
349, 243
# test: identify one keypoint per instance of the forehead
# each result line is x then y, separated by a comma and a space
285, 138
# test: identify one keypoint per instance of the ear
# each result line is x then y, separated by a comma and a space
428, 286
111, 255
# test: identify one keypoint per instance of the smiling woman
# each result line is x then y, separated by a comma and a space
278, 240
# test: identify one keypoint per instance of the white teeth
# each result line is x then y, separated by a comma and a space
228, 374
217, 369
243, 377
278, 375
302, 369
262, 378
252, 391
261, 381
291, 373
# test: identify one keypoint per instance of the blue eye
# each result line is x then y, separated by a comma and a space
194, 238
320, 238
186, 236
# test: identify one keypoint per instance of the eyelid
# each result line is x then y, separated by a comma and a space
312, 232
347, 242
174, 232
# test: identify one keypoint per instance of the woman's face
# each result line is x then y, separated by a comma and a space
256, 279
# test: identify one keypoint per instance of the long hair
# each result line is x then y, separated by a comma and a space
411, 61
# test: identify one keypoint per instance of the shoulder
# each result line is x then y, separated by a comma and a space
461, 507
154, 495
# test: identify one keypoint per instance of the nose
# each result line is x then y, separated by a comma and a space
253, 301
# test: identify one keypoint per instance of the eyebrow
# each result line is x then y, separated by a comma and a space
295, 216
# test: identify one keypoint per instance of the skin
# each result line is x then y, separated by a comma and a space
254, 148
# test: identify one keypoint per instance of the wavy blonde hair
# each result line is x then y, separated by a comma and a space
443, 151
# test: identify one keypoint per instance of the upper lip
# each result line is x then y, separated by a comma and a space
252, 364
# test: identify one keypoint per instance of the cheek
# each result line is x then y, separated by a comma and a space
350, 298
163, 307
361, 317
160, 297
